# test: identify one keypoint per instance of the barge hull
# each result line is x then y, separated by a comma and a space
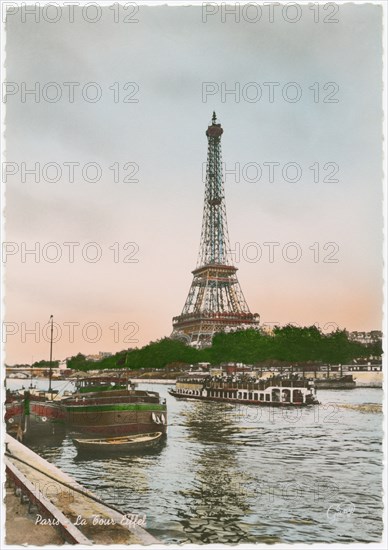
117, 422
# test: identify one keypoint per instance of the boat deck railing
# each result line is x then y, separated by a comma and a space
249, 385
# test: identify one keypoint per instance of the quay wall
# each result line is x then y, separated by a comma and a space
67, 499
368, 379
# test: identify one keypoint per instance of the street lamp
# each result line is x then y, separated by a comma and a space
51, 352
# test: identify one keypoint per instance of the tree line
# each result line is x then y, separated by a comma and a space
288, 343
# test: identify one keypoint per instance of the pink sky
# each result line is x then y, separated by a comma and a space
170, 54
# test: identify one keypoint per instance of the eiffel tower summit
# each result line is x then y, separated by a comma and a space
215, 302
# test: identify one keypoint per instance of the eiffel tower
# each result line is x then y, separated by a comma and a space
215, 302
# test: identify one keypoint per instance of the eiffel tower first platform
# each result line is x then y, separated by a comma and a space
215, 302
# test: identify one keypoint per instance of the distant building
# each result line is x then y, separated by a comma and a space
95, 357
98, 356
366, 338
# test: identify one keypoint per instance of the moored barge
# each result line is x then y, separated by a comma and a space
275, 391
32, 413
14, 414
110, 406
44, 415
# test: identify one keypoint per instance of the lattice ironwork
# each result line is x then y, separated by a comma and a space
215, 301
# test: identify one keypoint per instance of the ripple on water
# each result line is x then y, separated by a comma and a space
232, 475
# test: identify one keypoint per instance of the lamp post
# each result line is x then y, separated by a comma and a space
51, 352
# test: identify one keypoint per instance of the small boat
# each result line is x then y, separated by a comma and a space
127, 444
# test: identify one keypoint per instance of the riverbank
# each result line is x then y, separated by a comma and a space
77, 514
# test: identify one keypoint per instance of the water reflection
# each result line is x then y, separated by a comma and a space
41, 443
244, 475
217, 502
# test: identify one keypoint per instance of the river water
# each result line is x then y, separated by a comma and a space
244, 474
